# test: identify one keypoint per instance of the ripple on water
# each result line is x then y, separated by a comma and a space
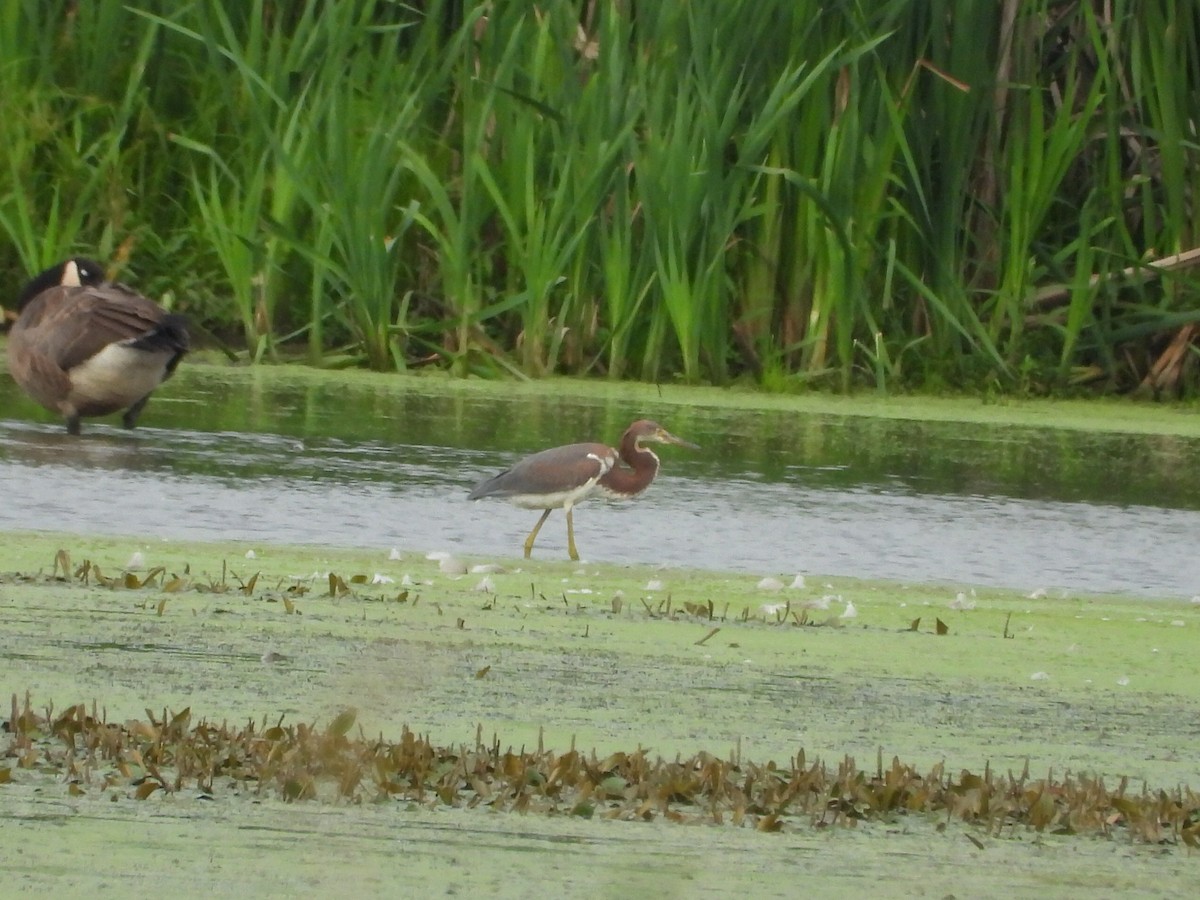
265, 488
772, 493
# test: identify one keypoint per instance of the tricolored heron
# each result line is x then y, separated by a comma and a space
563, 476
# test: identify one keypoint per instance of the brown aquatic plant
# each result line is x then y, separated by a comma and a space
170, 752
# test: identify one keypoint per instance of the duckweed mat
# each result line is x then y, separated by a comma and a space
473, 725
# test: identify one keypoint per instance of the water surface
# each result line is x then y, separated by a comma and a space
272, 458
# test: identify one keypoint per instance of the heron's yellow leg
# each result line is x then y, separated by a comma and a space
571, 537
536, 528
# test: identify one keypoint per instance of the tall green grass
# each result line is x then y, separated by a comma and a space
71, 159
912, 193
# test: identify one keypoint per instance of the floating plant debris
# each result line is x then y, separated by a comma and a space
88, 573
139, 759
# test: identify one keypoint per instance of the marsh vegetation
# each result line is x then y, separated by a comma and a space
920, 194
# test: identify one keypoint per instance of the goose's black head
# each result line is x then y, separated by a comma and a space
77, 271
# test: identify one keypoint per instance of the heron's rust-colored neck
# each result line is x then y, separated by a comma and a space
641, 465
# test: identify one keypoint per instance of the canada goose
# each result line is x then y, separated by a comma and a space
83, 346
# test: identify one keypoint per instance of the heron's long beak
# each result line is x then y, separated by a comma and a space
667, 438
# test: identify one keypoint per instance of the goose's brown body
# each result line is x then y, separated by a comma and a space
85, 347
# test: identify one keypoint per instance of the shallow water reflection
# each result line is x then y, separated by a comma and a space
274, 460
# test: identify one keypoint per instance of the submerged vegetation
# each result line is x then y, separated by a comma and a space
171, 752
908, 194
